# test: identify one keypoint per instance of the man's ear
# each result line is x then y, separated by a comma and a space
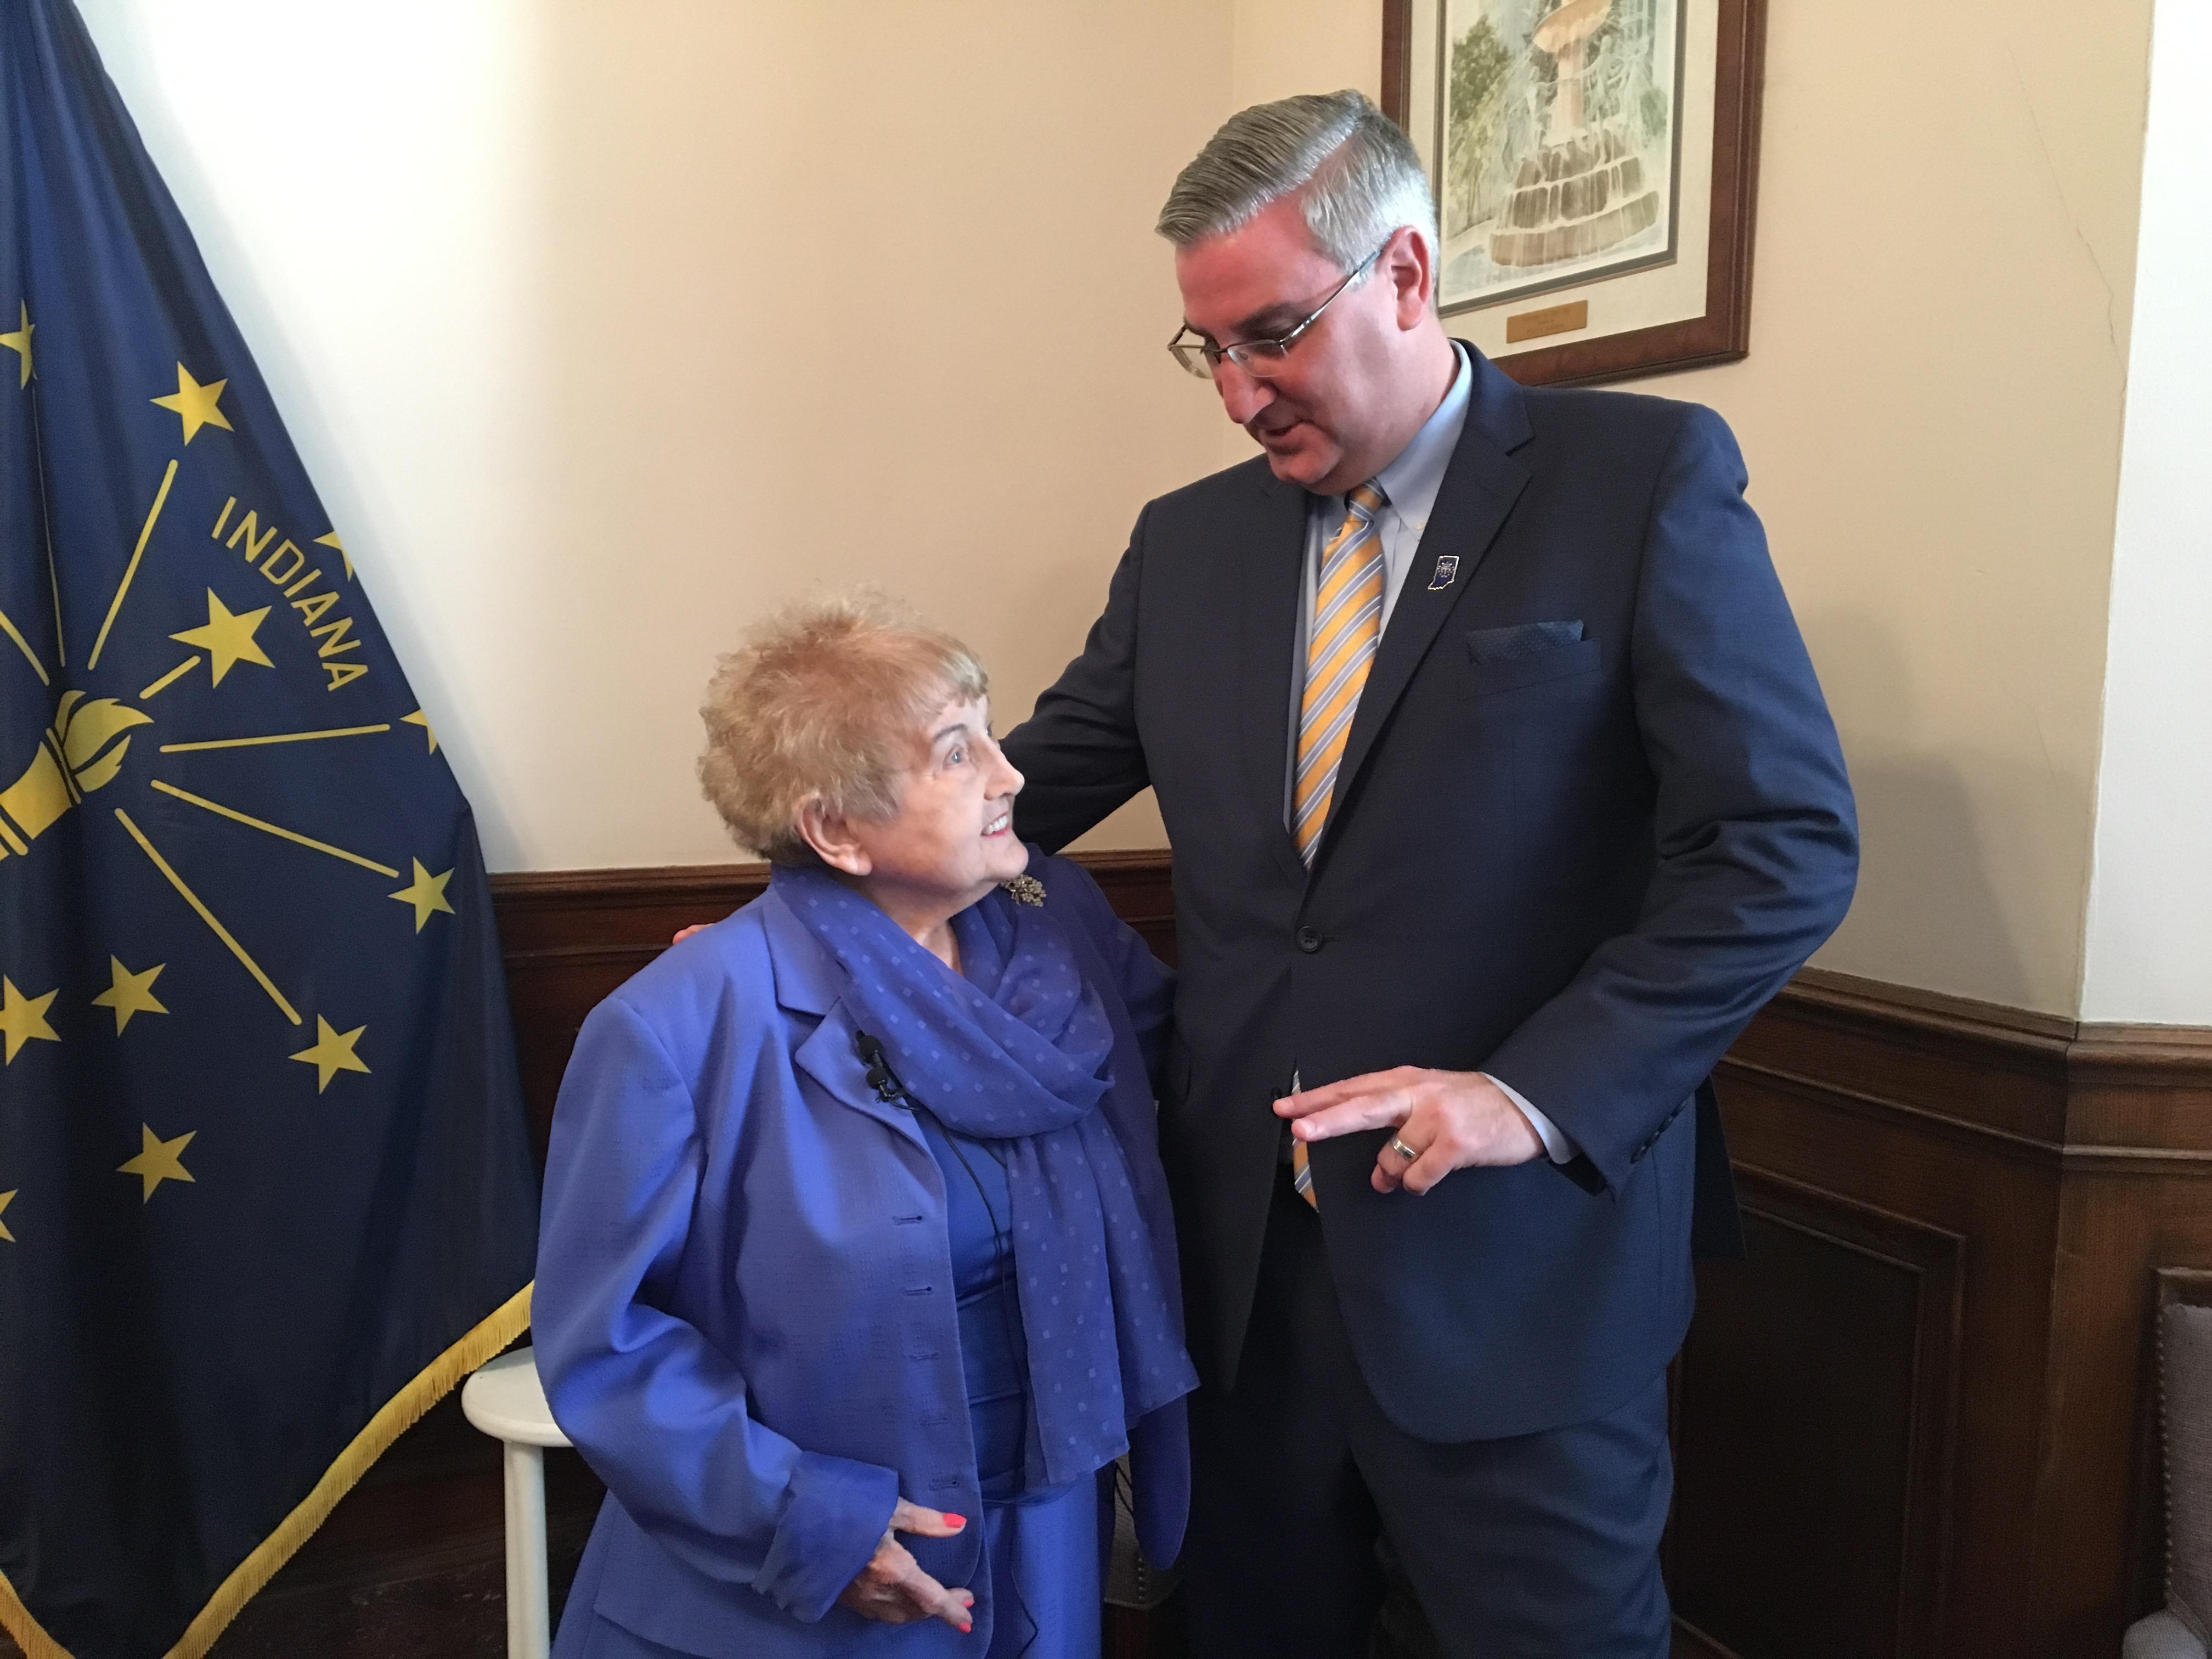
1408, 264
830, 834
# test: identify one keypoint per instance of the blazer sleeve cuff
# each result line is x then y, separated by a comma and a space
837, 1515
1557, 1144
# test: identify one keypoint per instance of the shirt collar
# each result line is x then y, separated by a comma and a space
1411, 481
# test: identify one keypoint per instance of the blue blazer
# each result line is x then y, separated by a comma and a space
1591, 814
744, 1313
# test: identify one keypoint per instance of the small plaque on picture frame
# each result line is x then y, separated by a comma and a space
1595, 164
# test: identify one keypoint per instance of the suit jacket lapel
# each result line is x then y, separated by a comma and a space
809, 982
1266, 574
831, 1057
1480, 488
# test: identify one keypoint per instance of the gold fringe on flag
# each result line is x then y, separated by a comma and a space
30, 1636
399, 1414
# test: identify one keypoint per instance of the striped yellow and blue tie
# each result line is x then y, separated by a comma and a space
1347, 622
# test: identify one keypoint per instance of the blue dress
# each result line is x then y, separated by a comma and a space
993, 1356
1042, 1548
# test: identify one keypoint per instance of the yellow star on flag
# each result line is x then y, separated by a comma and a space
20, 342
23, 1019
158, 1160
6, 1199
227, 638
196, 404
418, 717
130, 993
333, 1053
332, 540
426, 893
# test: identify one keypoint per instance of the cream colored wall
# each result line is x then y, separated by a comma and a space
1284, 47
603, 327
1930, 413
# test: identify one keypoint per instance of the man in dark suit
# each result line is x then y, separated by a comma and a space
1502, 794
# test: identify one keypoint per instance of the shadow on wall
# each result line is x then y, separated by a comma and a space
1935, 908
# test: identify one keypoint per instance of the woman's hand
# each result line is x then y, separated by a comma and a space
894, 1589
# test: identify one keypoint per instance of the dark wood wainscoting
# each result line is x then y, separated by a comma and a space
1813, 1442
1916, 1422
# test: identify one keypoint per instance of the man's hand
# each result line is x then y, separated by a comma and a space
1451, 1121
893, 1589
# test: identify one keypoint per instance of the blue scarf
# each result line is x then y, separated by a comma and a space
1018, 1051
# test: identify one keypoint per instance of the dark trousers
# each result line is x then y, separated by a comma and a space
1540, 1545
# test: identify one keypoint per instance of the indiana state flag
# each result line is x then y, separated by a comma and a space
265, 1190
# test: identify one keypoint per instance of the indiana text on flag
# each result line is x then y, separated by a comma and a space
265, 1190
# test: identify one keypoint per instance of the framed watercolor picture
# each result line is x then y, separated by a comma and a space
1595, 165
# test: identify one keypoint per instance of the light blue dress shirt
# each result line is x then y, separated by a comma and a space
1410, 484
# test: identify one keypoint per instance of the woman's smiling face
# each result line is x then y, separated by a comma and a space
952, 838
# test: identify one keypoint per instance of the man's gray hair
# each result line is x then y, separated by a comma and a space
1356, 175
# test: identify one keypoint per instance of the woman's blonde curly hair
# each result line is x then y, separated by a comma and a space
826, 701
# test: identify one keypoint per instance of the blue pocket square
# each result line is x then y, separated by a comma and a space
1522, 640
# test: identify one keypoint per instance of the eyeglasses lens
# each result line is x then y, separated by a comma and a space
1263, 358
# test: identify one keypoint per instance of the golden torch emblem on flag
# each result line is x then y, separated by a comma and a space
79, 752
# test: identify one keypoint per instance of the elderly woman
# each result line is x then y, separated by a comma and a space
856, 1273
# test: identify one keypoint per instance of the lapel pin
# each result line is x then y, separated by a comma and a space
1447, 572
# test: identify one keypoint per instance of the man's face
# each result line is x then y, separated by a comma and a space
1331, 404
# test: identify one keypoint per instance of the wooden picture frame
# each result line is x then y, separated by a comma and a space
1688, 330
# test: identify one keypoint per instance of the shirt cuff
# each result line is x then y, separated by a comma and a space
1561, 1148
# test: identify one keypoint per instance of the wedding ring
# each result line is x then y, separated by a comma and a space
1403, 1150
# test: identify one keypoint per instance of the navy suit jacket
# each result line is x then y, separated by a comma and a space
744, 1315
1590, 815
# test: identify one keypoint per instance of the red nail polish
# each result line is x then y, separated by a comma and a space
956, 1520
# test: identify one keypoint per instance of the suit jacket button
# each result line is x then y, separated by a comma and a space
1308, 940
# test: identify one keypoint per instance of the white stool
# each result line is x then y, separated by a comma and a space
505, 1399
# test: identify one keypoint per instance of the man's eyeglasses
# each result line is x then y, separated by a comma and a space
1260, 357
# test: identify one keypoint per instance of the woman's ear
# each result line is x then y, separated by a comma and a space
830, 834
